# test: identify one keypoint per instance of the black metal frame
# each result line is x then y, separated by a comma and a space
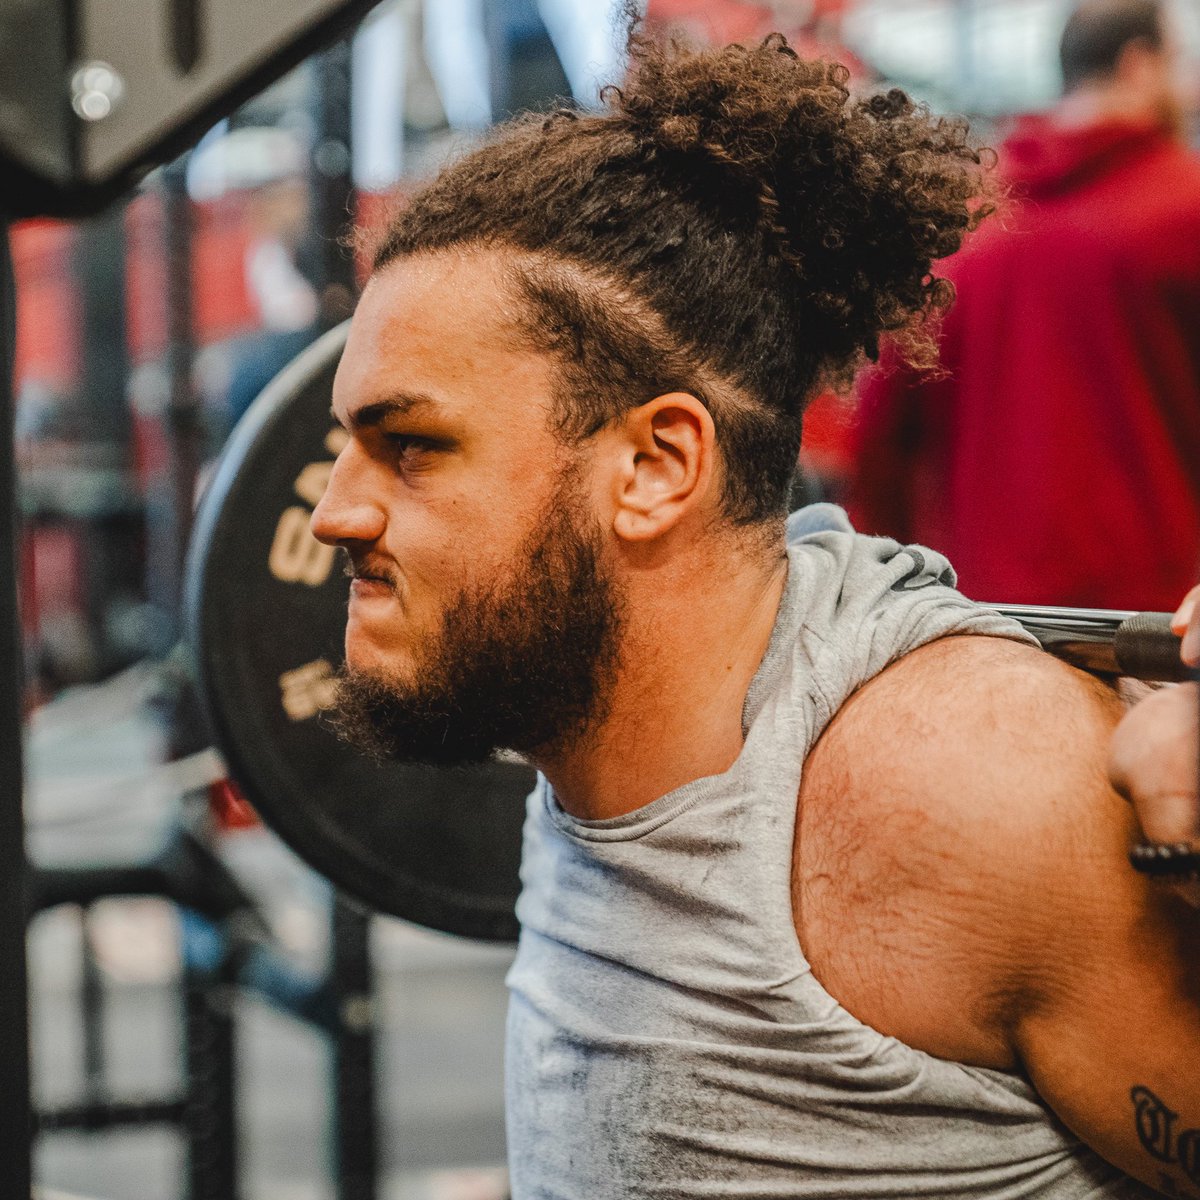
16, 1172
355, 1137
216, 912
29, 194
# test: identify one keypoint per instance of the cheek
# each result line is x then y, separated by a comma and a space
434, 557
386, 626
441, 548
442, 541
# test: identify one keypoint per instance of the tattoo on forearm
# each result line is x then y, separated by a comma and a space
1158, 1131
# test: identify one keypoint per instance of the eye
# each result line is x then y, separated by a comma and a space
402, 443
410, 448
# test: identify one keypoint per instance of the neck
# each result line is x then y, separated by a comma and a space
1098, 105
696, 630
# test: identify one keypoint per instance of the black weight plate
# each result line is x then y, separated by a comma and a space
266, 613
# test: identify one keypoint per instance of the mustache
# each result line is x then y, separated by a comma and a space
364, 567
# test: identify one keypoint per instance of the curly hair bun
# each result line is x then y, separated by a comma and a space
858, 196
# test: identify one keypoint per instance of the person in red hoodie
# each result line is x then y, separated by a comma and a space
1055, 456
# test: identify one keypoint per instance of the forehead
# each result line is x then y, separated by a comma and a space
441, 326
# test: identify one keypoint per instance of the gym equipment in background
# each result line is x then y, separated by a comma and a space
94, 93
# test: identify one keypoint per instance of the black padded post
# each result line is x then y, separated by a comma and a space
355, 1121
15, 1171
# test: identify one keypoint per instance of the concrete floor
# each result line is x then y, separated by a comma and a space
96, 794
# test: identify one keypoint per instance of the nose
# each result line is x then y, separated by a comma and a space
348, 511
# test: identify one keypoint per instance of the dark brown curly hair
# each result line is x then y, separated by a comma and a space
733, 225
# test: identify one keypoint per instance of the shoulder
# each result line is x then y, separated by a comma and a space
980, 742
944, 805
867, 604
962, 698
851, 579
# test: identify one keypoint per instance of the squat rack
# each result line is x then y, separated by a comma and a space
279, 42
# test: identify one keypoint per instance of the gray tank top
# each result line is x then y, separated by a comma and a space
666, 1037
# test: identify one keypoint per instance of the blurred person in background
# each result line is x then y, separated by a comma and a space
1055, 456
270, 166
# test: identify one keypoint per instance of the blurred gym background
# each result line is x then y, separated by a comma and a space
143, 335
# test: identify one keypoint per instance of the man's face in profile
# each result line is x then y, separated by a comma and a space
482, 613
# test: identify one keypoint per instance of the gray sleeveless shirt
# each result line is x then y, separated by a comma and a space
666, 1037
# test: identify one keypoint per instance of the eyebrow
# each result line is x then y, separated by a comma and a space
370, 415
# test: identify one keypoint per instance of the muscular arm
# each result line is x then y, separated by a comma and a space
962, 885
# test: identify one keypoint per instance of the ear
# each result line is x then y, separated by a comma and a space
665, 458
1136, 62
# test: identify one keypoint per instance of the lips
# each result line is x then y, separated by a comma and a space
363, 586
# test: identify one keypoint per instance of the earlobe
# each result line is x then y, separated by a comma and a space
668, 448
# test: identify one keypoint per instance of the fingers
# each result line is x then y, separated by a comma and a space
1186, 624
1154, 764
1154, 761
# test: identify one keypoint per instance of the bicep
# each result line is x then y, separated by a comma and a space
1109, 1024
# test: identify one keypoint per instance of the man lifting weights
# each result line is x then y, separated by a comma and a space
825, 889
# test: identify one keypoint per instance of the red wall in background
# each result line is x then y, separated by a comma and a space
220, 305
49, 347
47, 304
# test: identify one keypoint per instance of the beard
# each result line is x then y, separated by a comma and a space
523, 661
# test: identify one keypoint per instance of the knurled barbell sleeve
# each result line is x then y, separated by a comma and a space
1108, 642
